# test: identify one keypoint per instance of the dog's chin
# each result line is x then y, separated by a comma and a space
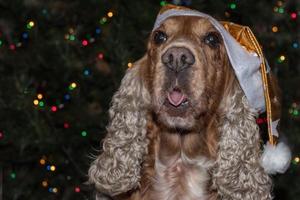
177, 123
176, 118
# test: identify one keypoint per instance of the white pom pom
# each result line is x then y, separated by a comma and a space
276, 159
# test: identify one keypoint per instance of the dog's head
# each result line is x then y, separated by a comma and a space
188, 69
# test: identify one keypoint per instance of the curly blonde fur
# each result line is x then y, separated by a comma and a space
237, 174
117, 168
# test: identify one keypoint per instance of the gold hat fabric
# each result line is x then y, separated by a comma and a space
246, 38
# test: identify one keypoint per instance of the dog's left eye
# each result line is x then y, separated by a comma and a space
212, 39
160, 37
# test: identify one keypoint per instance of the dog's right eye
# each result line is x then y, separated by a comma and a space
160, 37
212, 39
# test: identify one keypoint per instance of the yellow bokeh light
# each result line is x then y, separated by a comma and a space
44, 183
297, 159
52, 168
39, 96
129, 64
42, 161
282, 57
275, 29
31, 23
110, 14
36, 102
55, 190
73, 85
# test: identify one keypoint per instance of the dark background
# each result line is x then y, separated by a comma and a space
74, 55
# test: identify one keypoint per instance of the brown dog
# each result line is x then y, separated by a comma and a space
180, 124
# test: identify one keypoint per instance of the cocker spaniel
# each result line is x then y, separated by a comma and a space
181, 126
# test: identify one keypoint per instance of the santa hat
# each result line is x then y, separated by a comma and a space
255, 79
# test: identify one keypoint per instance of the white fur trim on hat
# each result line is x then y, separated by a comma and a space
276, 159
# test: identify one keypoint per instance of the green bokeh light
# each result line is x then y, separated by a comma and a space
281, 10
41, 104
83, 133
13, 175
163, 3
232, 6
72, 37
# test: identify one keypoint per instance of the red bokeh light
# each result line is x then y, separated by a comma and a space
293, 15
84, 42
66, 125
77, 189
53, 108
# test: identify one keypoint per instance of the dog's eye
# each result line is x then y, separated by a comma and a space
159, 37
212, 39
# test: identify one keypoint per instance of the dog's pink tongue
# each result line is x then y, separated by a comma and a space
175, 97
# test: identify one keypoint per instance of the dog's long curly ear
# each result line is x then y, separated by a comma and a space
117, 168
238, 173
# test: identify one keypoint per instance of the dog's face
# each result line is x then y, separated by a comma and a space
188, 66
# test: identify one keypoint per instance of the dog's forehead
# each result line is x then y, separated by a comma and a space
188, 23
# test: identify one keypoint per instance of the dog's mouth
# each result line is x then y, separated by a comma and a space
176, 100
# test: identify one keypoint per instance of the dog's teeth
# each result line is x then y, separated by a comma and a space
184, 103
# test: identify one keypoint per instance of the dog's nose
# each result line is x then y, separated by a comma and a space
178, 58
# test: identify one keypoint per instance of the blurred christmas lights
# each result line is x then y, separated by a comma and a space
36, 102
42, 161
83, 133
293, 15
25, 35
53, 190
275, 29
39, 96
30, 24
110, 14
44, 183
232, 6
129, 65
163, 3
86, 72
281, 58
66, 125
294, 110
13, 175
41, 104
12, 47
77, 189
52, 168
98, 30
84, 43
295, 45
67, 97
100, 56
279, 3
103, 20
72, 86
53, 108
